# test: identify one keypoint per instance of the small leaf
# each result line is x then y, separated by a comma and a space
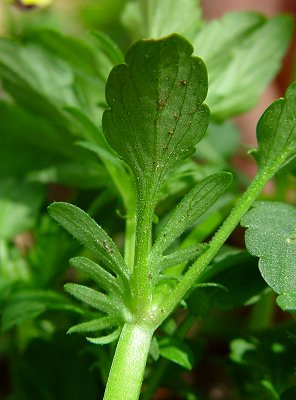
193, 205
91, 235
183, 255
93, 298
276, 134
106, 339
176, 351
102, 277
270, 236
156, 114
94, 325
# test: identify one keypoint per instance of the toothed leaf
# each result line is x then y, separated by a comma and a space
271, 236
276, 134
156, 115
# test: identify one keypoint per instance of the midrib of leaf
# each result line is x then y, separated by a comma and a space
147, 195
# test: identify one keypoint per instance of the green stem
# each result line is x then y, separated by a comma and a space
129, 241
216, 243
142, 277
128, 366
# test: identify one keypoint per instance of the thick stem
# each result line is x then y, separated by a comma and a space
216, 243
128, 366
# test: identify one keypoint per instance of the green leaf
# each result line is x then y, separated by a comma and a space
287, 301
94, 325
20, 202
182, 255
30, 72
93, 298
109, 48
91, 235
271, 236
276, 134
193, 205
156, 114
243, 52
176, 351
102, 278
27, 304
154, 19
106, 339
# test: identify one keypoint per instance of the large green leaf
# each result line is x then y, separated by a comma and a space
271, 236
276, 134
242, 52
154, 18
156, 114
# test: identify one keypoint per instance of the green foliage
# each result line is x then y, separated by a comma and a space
276, 133
152, 175
271, 237
242, 52
154, 19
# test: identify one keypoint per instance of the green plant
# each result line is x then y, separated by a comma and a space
154, 119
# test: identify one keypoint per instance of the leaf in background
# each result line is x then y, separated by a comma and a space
276, 134
156, 114
44, 151
192, 206
30, 72
271, 236
265, 360
20, 202
234, 270
25, 305
91, 235
242, 52
176, 351
154, 19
